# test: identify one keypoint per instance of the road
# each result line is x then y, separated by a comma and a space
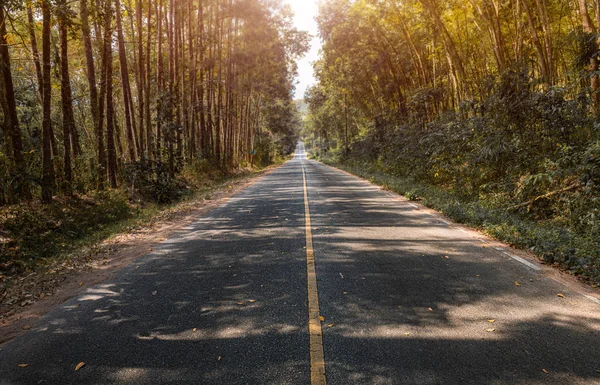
405, 298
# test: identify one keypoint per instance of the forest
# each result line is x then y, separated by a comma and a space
111, 102
487, 110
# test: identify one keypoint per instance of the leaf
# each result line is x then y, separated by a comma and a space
321, 318
194, 330
80, 284
430, 309
23, 365
80, 365
345, 293
240, 303
407, 333
491, 330
154, 292
330, 325
517, 283
219, 358
26, 327
561, 295
545, 371
251, 300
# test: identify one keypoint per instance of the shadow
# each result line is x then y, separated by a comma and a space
224, 302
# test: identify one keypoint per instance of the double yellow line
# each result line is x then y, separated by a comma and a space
317, 357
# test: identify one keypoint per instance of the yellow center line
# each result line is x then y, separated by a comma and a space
317, 357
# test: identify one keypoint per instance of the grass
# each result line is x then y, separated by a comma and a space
554, 244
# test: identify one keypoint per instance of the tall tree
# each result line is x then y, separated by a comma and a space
48, 177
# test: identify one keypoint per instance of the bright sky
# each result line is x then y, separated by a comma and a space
305, 12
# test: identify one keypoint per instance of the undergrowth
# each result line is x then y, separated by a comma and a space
552, 241
33, 234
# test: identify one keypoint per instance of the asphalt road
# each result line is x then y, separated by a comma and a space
406, 298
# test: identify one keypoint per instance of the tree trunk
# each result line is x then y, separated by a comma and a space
48, 179
67, 103
126, 87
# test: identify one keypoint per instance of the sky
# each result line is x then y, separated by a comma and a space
305, 12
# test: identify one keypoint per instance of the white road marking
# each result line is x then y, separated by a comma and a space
521, 260
593, 299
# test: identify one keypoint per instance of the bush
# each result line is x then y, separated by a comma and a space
151, 181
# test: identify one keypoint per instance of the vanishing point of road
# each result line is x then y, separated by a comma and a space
313, 276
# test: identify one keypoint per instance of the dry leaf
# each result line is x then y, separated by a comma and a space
80, 365
23, 365
407, 333
517, 283
490, 330
345, 292
194, 330
330, 325
491, 320
42, 295
240, 303
26, 327
154, 292
321, 318
447, 257
219, 358
560, 295
430, 309
545, 371
251, 300
80, 284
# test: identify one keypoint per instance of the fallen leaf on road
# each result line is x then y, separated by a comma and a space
251, 300
42, 295
560, 295
26, 327
321, 318
154, 292
79, 366
345, 292
194, 330
517, 283
219, 359
407, 333
447, 257
430, 309
330, 325
490, 330
80, 284
23, 365
545, 371
491, 320
240, 303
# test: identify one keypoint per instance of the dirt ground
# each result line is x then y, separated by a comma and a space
36, 294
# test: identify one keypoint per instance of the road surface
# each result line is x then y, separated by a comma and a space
405, 298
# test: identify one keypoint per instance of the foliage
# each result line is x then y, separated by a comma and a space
488, 110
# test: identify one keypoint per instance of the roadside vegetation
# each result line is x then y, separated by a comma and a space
485, 110
115, 110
